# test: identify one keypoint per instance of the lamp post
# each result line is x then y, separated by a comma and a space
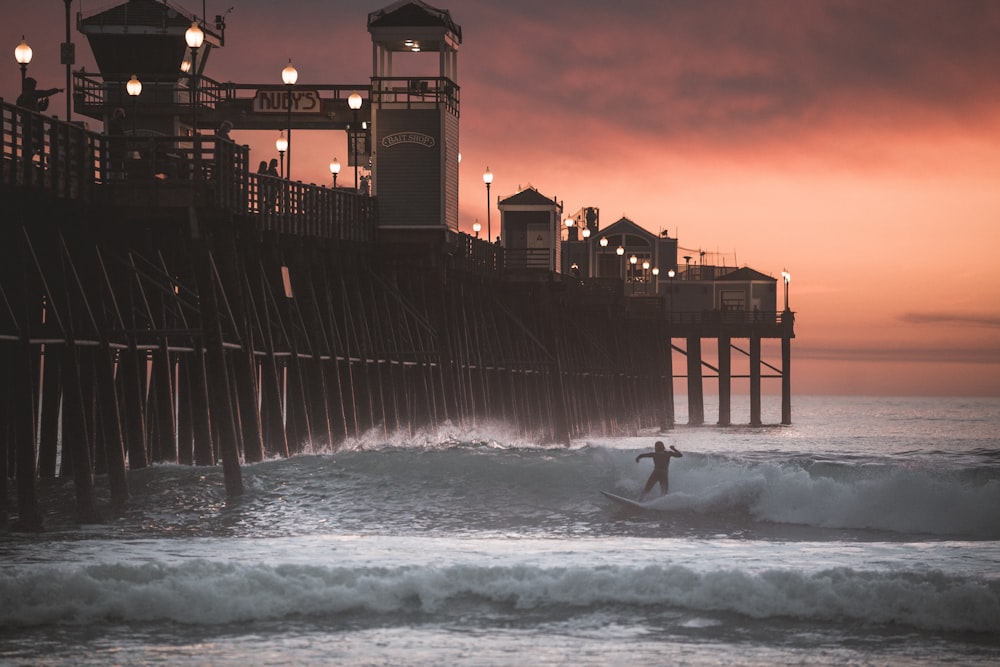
620, 251
22, 54
335, 169
68, 58
134, 88
488, 180
194, 36
645, 283
281, 143
787, 278
670, 274
289, 76
656, 280
476, 227
354, 102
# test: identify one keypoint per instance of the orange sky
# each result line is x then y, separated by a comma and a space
856, 144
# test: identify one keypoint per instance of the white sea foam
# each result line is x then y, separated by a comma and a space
888, 498
211, 593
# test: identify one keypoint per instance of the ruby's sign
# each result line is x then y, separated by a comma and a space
276, 101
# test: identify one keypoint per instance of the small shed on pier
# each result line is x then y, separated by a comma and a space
746, 290
529, 227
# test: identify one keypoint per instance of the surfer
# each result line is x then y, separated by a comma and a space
661, 467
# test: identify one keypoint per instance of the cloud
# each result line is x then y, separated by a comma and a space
900, 354
738, 75
959, 319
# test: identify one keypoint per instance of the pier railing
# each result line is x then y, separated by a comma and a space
477, 255
440, 91
39, 151
68, 161
530, 259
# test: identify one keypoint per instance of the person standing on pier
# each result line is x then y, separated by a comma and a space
661, 467
269, 187
34, 101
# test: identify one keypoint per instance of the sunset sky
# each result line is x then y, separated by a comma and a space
854, 143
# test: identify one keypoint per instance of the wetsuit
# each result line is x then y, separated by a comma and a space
661, 468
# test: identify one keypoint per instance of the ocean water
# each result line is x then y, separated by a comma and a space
867, 532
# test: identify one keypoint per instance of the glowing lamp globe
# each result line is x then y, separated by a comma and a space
133, 87
289, 75
22, 52
194, 36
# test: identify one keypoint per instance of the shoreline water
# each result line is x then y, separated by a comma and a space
836, 540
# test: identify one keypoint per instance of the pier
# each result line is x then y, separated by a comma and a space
161, 301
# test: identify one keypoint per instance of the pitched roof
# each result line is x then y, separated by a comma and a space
413, 14
529, 196
744, 274
623, 224
147, 17
147, 13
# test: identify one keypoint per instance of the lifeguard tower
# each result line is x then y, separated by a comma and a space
145, 38
415, 122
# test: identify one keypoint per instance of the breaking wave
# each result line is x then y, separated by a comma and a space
211, 593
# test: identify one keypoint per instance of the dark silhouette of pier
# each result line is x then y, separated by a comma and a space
161, 301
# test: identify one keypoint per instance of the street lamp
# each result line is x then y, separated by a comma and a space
22, 54
488, 180
670, 274
335, 169
134, 88
194, 36
787, 277
281, 143
620, 251
289, 76
68, 58
354, 102
476, 227
656, 280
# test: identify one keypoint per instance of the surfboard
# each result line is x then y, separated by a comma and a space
625, 502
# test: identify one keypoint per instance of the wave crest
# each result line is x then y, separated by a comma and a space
210, 593
862, 497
